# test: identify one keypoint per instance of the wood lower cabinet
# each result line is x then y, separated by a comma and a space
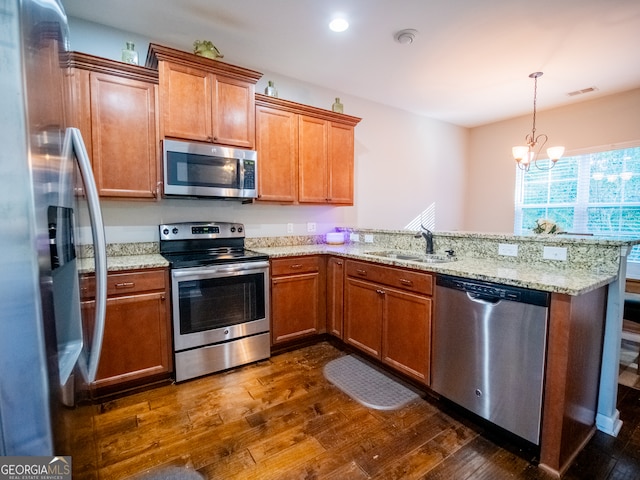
335, 296
297, 298
136, 346
306, 153
388, 316
203, 99
114, 105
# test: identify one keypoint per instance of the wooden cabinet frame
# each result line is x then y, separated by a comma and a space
306, 153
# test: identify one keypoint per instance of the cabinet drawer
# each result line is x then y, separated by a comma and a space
125, 283
291, 266
394, 277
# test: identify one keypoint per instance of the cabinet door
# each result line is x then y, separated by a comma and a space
123, 136
233, 112
277, 145
312, 160
340, 164
363, 316
136, 339
335, 296
295, 306
406, 333
185, 102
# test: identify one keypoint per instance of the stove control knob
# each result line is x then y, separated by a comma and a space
233, 229
175, 230
165, 231
239, 229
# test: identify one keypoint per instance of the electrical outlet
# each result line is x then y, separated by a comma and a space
311, 226
354, 237
289, 227
368, 238
554, 253
508, 249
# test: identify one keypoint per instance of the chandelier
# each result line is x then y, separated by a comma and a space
525, 155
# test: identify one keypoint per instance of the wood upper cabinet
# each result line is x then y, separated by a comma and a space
387, 314
137, 338
114, 105
203, 99
306, 154
298, 307
277, 146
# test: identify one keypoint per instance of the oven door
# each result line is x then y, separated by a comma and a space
218, 303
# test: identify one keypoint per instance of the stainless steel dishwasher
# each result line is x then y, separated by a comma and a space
488, 351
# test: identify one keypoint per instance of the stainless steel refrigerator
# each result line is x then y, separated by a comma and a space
47, 350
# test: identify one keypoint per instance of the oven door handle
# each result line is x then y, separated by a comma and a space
196, 273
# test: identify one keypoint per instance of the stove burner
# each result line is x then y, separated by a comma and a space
195, 244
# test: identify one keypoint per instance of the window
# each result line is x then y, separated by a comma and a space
596, 192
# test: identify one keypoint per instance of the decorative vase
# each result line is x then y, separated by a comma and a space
271, 90
205, 48
337, 106
129, 54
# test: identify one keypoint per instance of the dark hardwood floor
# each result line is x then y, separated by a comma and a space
280, 419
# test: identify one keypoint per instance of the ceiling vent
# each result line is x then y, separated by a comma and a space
583, 91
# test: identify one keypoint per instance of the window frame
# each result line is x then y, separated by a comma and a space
581, 204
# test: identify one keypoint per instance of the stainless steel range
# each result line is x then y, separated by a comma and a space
220, 297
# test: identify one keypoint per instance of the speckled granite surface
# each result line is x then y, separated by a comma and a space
124, 256
591, 262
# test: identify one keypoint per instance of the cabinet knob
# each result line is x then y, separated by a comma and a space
339, 263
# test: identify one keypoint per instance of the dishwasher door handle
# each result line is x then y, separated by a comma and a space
485, 300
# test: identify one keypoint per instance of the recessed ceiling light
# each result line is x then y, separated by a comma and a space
338, 25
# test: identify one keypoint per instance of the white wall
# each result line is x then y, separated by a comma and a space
404, 163
490, 188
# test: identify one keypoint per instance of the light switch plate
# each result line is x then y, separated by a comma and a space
368, 238
508, 249
554, 253
311, 226
289, 227
354, 237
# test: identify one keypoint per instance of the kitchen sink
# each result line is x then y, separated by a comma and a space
413, 257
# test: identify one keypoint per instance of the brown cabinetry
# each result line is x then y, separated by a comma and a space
306, 152
297, 298
203, 99
114, 105
335, 295
387, 314
136, 347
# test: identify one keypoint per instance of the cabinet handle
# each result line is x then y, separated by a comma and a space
381, 292
404, 281
339, 263
163, 298
125, 285
296, 265
359, 271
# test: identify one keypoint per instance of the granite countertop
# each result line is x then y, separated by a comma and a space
560, 280
116, 263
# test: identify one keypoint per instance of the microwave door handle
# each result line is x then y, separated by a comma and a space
100, 255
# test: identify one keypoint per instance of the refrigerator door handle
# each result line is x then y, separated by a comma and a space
100, 251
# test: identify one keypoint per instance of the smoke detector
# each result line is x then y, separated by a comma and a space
406, 36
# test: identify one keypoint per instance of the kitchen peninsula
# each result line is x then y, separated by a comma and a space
586, 306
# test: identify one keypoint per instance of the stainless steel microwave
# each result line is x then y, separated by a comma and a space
205, 170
